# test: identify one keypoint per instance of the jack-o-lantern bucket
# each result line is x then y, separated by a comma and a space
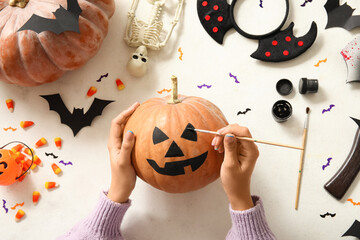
167, 153
10, 170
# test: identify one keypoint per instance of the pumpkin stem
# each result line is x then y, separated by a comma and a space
18, 3
174, 95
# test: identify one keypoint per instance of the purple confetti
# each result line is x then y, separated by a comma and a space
68, 163
102, 76
204, 85
306, 1
6, 209
261, 2
328, 110
328, 164
235, 77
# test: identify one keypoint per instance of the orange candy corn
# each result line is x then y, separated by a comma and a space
56, 168
33, 166
40, 143
25, 124
26, 164
37, 160
50, 185
92, 91
36, 196
120, 85
28, 152
22, 177
17, 148
10, 104
58, 142
19, 215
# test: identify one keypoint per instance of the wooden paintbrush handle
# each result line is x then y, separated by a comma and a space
341, 181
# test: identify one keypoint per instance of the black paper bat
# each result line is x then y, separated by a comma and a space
341, 16
354, 230
66, 20
77, 119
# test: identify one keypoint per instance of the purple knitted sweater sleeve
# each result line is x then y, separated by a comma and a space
250, 224
103, 223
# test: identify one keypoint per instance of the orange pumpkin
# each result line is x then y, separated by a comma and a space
10, 170
168, 155
30, 59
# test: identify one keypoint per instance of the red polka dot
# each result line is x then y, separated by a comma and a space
274, 43
220, 18
301, 43
216, 7
288, 39
207, 17
204, 3
268, 54
215, 29
286, 52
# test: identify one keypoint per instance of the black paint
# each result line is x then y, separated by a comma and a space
159, 136
189, 133
177, 167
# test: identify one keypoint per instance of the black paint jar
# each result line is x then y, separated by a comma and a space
282, 110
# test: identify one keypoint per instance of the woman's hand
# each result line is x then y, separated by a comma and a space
239, 162
123, 176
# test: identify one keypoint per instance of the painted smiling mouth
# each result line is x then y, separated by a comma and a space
177, 168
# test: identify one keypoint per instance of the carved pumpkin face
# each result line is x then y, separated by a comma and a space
168, 154
9, 168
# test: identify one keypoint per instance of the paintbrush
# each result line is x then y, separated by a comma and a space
248, 139
302, 157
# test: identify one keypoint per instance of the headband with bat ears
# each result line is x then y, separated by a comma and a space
32, 156
217, 17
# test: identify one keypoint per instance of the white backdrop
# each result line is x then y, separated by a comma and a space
202, 214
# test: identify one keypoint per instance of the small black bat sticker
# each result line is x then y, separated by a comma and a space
66, 20
77, 119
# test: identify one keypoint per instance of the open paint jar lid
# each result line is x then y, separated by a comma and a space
282, 110
284, 87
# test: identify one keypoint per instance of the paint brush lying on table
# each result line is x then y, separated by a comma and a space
248, 139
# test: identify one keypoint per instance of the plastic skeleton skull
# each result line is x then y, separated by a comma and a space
147, 35
137, 64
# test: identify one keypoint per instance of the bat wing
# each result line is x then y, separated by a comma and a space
351, 55
40, 24
338, 16
215, 18
56, 104
352, 23
354, 230
74, 8
95, 110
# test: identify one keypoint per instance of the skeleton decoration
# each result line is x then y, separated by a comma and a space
144, 35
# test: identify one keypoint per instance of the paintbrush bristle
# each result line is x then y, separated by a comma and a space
307, 110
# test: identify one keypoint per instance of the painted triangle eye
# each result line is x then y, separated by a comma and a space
189, 134
159, 136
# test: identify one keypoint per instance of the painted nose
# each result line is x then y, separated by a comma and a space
174, 151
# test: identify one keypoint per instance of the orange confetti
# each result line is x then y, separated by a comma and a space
92, 90
26, 124
10, 104
19, 215
40, 143
36, 196
18, 204
120, 85
50, 185
56, 168
58, 142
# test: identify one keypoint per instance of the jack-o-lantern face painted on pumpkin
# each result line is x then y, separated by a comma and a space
175, 168
168, 155
10, 170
